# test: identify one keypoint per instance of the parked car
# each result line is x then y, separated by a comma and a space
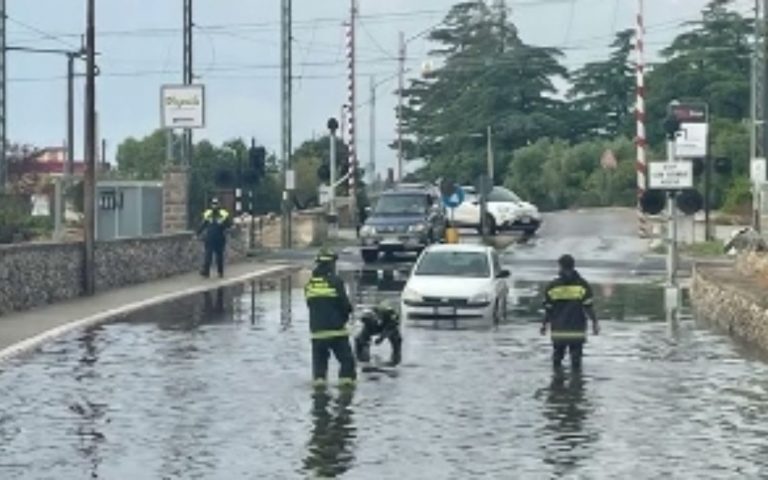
407, 218
456, 281
506, 212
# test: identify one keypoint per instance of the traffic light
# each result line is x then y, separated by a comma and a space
653, 202
324, 172
690, 202
257, 158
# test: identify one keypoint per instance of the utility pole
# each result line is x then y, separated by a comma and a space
672, 290
758, 104
90, 152
3, 100
372, 153
188, 76
400, 93
490, 155
333, 125
286, 94
351, 87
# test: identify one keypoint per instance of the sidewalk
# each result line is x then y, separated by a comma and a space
23, 331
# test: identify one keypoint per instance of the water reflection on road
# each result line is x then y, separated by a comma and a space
217, 386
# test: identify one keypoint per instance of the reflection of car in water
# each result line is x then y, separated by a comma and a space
456, 281
406, 219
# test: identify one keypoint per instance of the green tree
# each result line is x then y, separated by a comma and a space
143, 159
487, 76
604, 92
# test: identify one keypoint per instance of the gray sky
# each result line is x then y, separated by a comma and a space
237, 57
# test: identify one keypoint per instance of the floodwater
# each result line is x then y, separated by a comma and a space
217, 387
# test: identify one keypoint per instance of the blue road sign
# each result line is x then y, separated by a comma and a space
454, 199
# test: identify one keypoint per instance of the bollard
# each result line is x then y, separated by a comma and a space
451, 235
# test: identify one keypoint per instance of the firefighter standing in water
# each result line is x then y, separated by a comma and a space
384, 321
329, 311
216, 222
568, 304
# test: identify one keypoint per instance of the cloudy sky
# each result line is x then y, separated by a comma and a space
237, 58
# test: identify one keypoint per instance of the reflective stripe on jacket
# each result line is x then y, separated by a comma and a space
215, 224
328, 304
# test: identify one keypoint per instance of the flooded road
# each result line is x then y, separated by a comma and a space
218, 387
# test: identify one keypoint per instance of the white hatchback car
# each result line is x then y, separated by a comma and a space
451, 282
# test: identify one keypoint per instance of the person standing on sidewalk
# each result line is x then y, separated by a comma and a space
568, 303
329, 311
216, 222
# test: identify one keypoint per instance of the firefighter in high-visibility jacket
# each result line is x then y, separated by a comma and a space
216, 222
329, 312
568, 304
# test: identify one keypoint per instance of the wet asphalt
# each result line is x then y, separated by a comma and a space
217, 386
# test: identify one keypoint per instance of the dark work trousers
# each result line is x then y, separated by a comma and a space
575, 348
211, 250
321, 352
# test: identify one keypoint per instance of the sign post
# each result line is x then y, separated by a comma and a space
453, 196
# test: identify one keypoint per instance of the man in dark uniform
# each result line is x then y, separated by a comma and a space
568, 303
384, 321
216, 222
329, 310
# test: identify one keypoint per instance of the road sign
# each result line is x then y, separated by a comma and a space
692, 137
758, 171
182, 106
454, 199
324, 194
608, 160
691, 140
670, 175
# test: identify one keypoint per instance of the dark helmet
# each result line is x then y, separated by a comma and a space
326, 256
567, 262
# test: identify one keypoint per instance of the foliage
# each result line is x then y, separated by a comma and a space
487, 76
555, 175
603, 92
548, 150
144, 159
16, 223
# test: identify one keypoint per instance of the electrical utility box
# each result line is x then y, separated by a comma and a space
128, 209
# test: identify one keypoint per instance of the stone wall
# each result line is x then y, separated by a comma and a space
33, 275
753, 264
734, 302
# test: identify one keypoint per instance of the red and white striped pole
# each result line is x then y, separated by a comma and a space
351, 120
640, 140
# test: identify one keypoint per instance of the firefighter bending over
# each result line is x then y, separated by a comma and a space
384, 321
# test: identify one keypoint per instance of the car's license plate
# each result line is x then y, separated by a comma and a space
445, 311
526, 219
390, 241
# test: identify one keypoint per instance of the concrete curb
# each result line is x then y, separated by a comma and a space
107, 315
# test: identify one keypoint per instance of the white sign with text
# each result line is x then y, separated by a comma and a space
182, 106
670, 175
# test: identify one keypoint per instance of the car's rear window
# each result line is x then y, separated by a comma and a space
454, 264
402, 204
